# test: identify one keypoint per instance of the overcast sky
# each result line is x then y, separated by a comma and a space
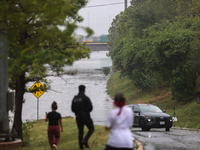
99, 18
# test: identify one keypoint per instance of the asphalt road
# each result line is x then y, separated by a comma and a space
175, 139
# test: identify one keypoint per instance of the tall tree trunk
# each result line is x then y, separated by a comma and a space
20, 90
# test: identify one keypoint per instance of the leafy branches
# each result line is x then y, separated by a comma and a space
154, 42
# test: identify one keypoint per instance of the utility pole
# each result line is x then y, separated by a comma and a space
88, 20
125, 3
4, 123
109, 21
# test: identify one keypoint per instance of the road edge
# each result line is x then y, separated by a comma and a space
190, 129
139, 144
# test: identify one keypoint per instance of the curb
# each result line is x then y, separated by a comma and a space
139, 144
190, 129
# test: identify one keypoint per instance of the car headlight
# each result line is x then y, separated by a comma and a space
149, 119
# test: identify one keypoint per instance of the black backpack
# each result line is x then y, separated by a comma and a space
78, 104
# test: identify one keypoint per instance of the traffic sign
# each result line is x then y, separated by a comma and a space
104, 38
38, 93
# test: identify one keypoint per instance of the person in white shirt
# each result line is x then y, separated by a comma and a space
120, 120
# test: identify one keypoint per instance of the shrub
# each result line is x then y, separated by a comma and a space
106, 70
183, 85
26, 126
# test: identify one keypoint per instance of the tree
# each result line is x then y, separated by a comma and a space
173, 52
126, 43
114, 35
169, 46
183, 84
34, 40
152, 40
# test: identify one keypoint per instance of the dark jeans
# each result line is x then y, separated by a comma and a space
113, 148
81, 120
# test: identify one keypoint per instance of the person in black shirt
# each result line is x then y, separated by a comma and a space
53, 127
82, 106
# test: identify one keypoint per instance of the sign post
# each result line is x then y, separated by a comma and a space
37, 93
198, 97
37, 109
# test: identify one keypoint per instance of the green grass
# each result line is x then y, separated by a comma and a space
69, 138
187, 114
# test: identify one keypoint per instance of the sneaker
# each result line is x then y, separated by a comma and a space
85, 143
54, 146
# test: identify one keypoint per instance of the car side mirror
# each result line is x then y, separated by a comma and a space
164, 111
137, 112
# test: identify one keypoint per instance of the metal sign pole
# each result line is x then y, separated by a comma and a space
37, 108
37, 94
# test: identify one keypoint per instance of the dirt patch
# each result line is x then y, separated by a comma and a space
160, 97
155, 98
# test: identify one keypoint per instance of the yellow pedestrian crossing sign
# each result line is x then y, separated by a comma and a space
40, 90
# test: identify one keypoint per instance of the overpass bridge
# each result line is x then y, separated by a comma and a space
97, 46
94, 43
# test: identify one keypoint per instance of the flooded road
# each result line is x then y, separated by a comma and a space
90, 74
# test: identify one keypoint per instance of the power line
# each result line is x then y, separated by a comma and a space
105, 5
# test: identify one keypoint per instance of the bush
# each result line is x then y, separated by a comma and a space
183, 85
106, 70
144, 81
26, 126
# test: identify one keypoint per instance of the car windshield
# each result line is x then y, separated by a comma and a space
149, 108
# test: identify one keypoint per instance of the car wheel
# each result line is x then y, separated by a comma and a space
148, 129
167, 129
143, 126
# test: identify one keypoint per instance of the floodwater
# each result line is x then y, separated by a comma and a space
64, 88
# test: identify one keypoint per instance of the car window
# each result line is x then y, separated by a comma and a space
132, 107
135, 108
150, 108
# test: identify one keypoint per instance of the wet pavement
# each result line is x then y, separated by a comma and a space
159, 139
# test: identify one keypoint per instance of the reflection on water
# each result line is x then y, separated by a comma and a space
63, 90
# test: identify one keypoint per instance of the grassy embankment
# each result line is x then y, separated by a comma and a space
187, 114
69, 138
